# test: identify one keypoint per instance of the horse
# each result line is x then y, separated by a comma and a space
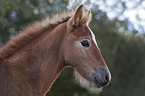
31, 61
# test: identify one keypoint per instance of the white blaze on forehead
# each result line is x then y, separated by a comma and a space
93, 38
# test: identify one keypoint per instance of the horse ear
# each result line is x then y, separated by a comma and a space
76, 19
87, 18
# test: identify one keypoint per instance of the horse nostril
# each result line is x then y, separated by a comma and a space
107, 78
101, 78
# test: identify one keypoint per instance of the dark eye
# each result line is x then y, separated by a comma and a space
85, 43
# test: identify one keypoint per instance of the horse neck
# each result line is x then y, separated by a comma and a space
41, 61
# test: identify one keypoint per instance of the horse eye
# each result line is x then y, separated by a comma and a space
85, 43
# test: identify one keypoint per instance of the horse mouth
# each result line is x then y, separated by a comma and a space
97, 82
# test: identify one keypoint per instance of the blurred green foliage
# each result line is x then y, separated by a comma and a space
124, 53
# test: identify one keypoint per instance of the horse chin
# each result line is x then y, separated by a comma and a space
86, 84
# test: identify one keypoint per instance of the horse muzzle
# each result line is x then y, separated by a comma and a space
101, 78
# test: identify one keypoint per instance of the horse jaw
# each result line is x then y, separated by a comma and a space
85, 83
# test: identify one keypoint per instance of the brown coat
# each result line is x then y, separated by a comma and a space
31, 61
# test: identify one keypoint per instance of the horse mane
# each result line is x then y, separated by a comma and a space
31, 32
